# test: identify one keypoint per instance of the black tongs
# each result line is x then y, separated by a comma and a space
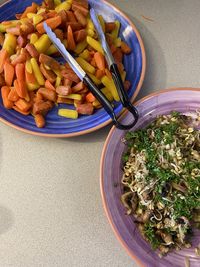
89, 83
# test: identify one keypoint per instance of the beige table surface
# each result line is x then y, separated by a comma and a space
50, 205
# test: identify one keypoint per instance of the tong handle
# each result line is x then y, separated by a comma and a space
123, 97
108, 107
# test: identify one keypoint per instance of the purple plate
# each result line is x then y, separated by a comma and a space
184, 100
56, 126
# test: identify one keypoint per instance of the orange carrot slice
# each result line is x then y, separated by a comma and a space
30, 77
9, 72
71, 45
30, 9
5, 90
48, 85
90, 97
20, 73
23, 104
26, 113
3, 58
125, 48
53, 23
100, 61
13, 96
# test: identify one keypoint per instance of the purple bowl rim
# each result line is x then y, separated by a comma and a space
104, 202
93, 129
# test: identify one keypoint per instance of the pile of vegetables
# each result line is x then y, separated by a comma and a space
161, 181
31, 79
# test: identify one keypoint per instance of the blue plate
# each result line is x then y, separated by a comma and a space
135, 65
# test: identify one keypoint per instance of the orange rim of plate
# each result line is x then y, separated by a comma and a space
108, 121
105, 206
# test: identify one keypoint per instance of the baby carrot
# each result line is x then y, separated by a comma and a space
9, 72
5, 90
20, 73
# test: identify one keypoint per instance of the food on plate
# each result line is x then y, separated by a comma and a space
32, 80
161, 180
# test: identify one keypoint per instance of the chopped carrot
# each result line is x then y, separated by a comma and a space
20, 73
9, 72
39, 121
13, 96
120, 67
93, 62
29, 9
3, 58
23, 105
108, 73
26, 113
30, 77
81, 9
83, 3
76, 26
85, 109
113, 48
110, 26
80, 36
71, 45
48, 85
53, 23
118, 55
99, 73
19, 59
78, 87
5, 90
90, 97
100, 61
70, 76
80, 18
125, 48
70, 16
49, 61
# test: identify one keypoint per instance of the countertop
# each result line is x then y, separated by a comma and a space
51, 212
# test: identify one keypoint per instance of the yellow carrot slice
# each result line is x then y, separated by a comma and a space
68, 113
10, 43
36, 70
85, 65
80, 47
42, 44
74, 96
108, 83
94, 79
114, 34
33, 38
94, 44
63, 6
